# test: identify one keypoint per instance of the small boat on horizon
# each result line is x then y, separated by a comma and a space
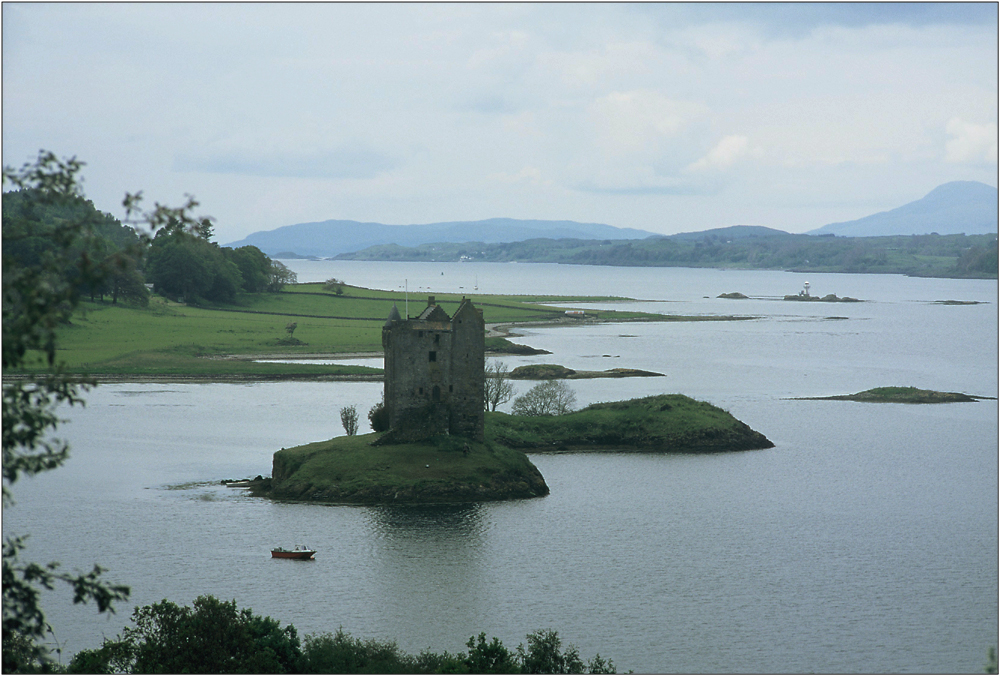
298, 553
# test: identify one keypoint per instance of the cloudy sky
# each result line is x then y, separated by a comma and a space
664, 117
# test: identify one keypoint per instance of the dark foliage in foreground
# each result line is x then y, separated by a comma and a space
213, 637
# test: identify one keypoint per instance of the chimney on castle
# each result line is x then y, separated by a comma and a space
430, 301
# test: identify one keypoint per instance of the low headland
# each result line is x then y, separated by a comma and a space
903, 395
351, 470
169, 341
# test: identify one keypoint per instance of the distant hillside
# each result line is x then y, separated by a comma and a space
734, 248
958, 207
730, 233
329, 238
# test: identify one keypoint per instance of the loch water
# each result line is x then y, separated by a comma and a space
865, 541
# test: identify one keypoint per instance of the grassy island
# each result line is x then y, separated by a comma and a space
662, 423
904, 395
351, 470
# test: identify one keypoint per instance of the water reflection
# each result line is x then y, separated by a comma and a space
431, 523
429, 561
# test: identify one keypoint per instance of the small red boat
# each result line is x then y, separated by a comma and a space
297, 553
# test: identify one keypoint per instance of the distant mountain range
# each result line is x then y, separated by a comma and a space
966, 207
329, 238
954, 208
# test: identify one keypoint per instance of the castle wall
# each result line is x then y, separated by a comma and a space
434, 373
468, 372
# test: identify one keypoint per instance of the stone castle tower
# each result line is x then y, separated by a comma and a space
434, 372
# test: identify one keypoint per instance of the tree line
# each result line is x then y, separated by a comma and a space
179, 262
216, 637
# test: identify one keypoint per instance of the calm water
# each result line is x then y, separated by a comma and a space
865, 541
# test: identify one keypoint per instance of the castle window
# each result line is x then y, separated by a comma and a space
451, 388
436, 393
437, 338
432, 356
420, 390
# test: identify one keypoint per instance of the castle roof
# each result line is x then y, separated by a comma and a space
393, 315
434, 313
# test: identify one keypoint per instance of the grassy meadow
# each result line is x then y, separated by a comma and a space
212, 341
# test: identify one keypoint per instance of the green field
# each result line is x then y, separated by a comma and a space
172, 340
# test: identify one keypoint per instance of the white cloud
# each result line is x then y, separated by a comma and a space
970, 143
606, 66
717, 40
723, 155
341, 163
522, 124
505, 47
529, 175
639, 121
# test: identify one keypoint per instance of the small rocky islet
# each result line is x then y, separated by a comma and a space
801, 296
902, 395
559, 372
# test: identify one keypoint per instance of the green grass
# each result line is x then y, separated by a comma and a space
541, 372
350, 469
666, 422
171, 339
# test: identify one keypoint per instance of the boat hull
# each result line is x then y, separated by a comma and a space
276, 554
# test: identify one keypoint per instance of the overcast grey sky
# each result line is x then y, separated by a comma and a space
665, 117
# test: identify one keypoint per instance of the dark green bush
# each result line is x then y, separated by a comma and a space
378, 416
